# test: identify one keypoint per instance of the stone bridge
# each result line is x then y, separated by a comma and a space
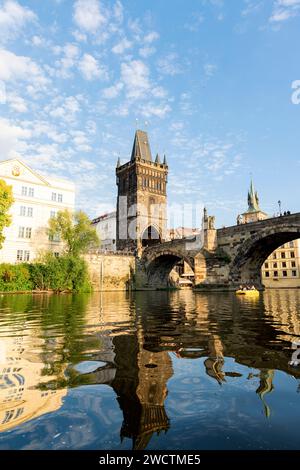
222, 258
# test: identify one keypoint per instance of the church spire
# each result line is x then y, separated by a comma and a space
157, 159
141, 147
165, 160
118, 162
253, 201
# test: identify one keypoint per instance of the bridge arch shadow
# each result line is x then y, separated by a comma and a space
247, 264
160, 266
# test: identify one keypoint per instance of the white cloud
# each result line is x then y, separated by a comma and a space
194, 22
88, 15
85, 164
90, 68
284, 10
68, 60
16, 103
14, 67
112, 91
157, 110
13, 18
210, 69
169, 65
12, 137
135, 76
150, 37
81, 141
121, 47
147, 51
118, 12
65, 109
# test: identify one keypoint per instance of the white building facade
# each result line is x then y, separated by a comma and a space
37, 198
106, 228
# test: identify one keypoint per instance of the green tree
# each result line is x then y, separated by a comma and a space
75, 230
6, 200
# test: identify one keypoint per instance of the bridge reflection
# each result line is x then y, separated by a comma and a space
133, 343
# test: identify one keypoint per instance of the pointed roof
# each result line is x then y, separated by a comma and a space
253, 201
165, 160
157, 159
118, 163
141, 147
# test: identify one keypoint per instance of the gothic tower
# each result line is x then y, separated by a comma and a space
142, 198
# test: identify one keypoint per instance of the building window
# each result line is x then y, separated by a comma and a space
293, 264
53, 197
267, 274
274, 255
21, 232
294, 273
291, 244
23, 255
28, 232
283, 254
284, 273
29, 212
31, 192
275, 274
59, 198
292, 254
284, 264
274, 265
56, 254
52, 214
54, 238
266, 265
22, 210
24, 190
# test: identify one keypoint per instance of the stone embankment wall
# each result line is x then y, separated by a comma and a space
111, 271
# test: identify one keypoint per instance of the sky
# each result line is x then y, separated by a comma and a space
215, 83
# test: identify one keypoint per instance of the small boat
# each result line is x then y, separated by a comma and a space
252, 292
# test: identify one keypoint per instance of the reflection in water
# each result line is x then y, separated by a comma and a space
167, 361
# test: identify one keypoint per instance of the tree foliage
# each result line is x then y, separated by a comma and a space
65, 273
75, 230
6, 200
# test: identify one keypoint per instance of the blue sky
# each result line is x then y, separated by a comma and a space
210, 80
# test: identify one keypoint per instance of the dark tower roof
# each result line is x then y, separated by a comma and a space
141, 147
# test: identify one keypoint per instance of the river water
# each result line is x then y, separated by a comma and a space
149, 370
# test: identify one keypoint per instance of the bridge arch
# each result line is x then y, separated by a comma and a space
160, 264
246, 265
150, 236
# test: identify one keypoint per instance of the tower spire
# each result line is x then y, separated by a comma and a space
253, 201
141, 147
